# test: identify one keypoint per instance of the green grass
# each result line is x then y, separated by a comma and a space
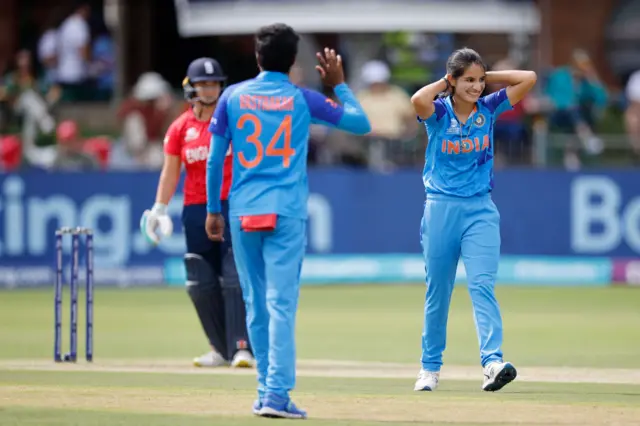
56, 398
581, 327
560, 393
57, 417
51, 417
576, 327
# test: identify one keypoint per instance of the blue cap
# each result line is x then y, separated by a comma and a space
205, 69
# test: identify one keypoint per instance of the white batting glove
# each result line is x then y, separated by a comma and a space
156, 224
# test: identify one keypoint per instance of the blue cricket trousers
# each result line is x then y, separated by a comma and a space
269, 266
452, 228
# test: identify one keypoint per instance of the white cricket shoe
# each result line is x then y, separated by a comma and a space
497, 375
243, 359
427, 380
210, 359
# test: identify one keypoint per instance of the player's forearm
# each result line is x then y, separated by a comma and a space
422, 100
354, 120
511, 77
519, 82
169, 178
215, 163
166, 188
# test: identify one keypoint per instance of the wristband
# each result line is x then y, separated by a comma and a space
159, 208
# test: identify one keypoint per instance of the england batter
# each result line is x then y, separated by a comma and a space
268, 120
460, 219
212, 280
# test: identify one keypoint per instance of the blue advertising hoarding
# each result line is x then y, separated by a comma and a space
543, 213
402, 269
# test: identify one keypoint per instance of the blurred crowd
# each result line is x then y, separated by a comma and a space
566, 111
73, 62
77, 63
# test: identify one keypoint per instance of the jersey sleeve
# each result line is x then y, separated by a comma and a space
323, 110
215, 169
220, 121
498, 102
439, 110
172, 140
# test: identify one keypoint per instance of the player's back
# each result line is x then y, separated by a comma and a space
269, 124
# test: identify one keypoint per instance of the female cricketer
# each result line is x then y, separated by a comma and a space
212, 279
460, 219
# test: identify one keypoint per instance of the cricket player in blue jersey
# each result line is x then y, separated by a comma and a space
460, 219
268, 119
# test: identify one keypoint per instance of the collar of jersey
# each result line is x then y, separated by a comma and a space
449, 105
272, 76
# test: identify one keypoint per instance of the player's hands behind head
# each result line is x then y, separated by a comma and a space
447, 79
330, 67
215, 227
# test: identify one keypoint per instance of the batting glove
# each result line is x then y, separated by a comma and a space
156, 224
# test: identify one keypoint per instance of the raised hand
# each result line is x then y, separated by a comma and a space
330, 68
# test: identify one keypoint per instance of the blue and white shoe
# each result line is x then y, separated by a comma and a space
281, 408
497, 374
427, 380
257, 406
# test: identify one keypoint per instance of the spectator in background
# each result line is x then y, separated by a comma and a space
102, 67
144, 116
510, 131
99, 147
632, 113
73, 54
10, 153
390, 113
70, 155
24, 78
29, 100
48, 50
578, 96
387, 106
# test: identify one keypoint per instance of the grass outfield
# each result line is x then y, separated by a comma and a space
62, 398
560, 339
581, 327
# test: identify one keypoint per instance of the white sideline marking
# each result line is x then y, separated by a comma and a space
333, 368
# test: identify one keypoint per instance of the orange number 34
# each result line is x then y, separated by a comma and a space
254, 138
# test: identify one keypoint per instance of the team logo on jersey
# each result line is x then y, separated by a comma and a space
331, 102
480, 120
192, 134
453, 127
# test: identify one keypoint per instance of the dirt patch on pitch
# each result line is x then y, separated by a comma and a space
345, 369
410, 408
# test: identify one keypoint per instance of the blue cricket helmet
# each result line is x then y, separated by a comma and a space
201, 69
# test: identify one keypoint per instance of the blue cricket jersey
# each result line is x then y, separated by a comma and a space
459, 158
268, 120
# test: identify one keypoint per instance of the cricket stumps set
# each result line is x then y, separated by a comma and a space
74, 283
